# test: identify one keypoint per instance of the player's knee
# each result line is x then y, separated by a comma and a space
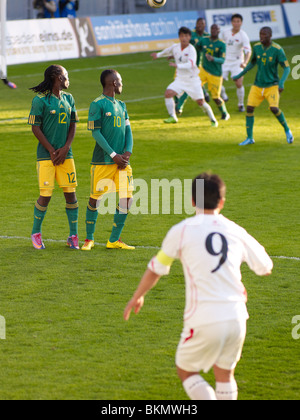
200, 102
274, 110
250, 109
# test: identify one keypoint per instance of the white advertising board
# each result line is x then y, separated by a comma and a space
292, 12
254, 19
29, 41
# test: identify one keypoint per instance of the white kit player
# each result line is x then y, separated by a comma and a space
238, 53
187, 76
211, 249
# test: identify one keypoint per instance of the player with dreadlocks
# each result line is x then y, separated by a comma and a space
53, 118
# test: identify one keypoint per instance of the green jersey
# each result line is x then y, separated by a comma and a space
196, 38
215, 48
108, 115
54, 116
267, 60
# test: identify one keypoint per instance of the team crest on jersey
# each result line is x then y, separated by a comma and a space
108, 114
53, 112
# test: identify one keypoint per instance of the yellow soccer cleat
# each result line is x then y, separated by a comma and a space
118, 245
88, 245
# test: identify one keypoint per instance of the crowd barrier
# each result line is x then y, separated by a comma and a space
57, 39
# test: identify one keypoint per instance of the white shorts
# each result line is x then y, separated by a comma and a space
192, 86
218, 344
234, 68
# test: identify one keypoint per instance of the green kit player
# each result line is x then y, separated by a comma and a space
53, 118
110, 172
267, 55
214, 53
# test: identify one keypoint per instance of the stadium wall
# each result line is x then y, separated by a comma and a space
57, 39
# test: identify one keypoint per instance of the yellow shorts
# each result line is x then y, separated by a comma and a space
257, 96
214, 83
108, 178
64, 174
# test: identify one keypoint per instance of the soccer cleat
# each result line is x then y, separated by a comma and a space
225, 97
12, 85
72, 242
225, 116
289, 137
37, 241
171, 120
118, 245
215, 124
241, 108
88, 245
247, 142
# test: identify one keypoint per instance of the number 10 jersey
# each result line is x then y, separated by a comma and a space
211, 249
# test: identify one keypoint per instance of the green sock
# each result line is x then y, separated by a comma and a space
181, 101
249, 125
39, 215
223, 108
119, 222
281, 118
91, 220
72, 211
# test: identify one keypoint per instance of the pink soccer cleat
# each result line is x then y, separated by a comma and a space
37, 241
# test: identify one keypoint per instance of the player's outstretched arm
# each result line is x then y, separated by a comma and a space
149, 280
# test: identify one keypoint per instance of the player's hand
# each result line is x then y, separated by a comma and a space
172, 64
209, 57
135, 304
154, 56
280, 90
60, 156
120, 161
243, 65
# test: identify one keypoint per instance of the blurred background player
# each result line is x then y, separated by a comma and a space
238, 53
111, 171
211, 249
187, 76
214, 53
68, 8
197, 34
53, 118
267, 55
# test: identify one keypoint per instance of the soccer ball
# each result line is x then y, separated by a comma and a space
156, 3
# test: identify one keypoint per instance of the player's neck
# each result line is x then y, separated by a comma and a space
235, 31
213, 212
56, 92
109, 92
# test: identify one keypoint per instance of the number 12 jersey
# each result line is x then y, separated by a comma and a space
211, 249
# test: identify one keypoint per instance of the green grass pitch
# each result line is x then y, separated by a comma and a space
65, 337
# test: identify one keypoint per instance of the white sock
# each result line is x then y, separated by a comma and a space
207, 109
227, 391
223, 93
170, 104
198, 389
241, 95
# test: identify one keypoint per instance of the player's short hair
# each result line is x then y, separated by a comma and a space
105, 74
268, 29
214, 190
200, 18
185, 30
237, 16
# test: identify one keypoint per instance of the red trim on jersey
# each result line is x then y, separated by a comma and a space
190, 336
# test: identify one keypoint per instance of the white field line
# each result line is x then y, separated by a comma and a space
24, 238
